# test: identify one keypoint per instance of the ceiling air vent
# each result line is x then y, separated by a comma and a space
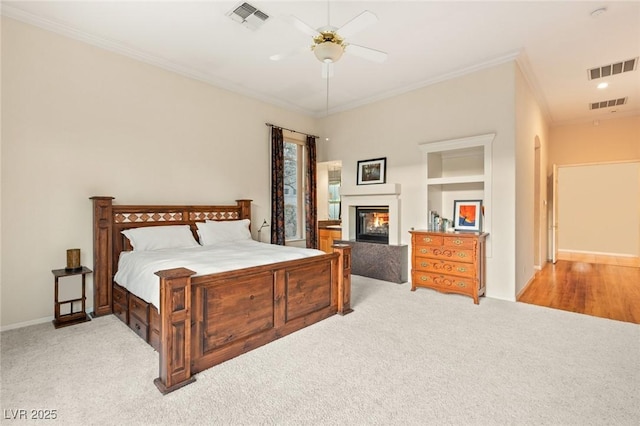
607, 104
248, 16
613, 69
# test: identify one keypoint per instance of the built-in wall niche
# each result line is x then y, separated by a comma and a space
459, 169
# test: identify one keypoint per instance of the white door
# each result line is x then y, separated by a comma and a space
554, 214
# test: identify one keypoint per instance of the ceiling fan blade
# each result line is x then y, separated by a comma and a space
301, 26
357, 24
327, 70
290, 53
366, 53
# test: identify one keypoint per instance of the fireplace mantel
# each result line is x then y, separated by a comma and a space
387, 194
365, 190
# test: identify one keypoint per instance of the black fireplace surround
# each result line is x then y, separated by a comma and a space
372, 224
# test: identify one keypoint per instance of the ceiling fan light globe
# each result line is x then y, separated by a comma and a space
328, 52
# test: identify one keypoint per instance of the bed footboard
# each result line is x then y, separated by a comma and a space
206, 320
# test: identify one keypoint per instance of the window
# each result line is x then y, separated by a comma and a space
334, 192
293, 190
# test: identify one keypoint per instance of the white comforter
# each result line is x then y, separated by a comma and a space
136, 269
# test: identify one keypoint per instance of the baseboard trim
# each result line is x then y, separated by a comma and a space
603, 258
34, 322
26, 323
521, 292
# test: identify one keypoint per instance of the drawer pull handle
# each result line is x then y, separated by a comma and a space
424, 264
443, 265
427, 239
443, 253
423, 250
461, 284
458, 241
461, 269
442, 280
462, 254
423, 278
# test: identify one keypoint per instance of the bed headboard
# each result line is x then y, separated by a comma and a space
109, 219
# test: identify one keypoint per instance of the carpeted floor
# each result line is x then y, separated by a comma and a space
400, 358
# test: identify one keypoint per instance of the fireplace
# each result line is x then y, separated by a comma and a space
372, 224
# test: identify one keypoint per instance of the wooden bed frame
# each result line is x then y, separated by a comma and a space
206, 320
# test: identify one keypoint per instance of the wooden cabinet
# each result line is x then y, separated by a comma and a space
449, 262
326, 236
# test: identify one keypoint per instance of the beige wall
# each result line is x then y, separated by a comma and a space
80, 121
616, 139
478, 103
599, 209
531, 130
610, 141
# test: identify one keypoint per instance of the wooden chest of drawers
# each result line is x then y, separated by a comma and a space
449, 262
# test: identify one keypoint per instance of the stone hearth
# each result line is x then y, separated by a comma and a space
381, 261
386, 262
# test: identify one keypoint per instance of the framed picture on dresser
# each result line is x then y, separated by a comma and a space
467, 215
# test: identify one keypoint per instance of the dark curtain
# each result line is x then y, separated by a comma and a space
310, 196
277, 186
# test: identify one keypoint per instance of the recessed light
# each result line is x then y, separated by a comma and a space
603, 85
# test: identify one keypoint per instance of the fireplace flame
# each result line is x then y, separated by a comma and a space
380, 219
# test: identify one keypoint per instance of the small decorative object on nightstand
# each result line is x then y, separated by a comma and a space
73, 317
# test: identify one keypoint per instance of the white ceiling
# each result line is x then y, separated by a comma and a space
555, 42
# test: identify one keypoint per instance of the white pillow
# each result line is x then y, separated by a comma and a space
213, 232
160, 237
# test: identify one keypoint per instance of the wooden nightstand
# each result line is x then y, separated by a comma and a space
72, 317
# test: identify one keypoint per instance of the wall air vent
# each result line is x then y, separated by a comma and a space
607, 104
248, 16
613, 69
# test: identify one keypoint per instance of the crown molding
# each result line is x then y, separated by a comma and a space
525, 67
508, 57
119, 48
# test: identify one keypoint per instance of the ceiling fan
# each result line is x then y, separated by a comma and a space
329, 43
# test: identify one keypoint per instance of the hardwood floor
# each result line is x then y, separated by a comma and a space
608, 291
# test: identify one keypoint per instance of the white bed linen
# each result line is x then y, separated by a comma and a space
136, 269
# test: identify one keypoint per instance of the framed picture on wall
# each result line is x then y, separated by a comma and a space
372, 171
467, 215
